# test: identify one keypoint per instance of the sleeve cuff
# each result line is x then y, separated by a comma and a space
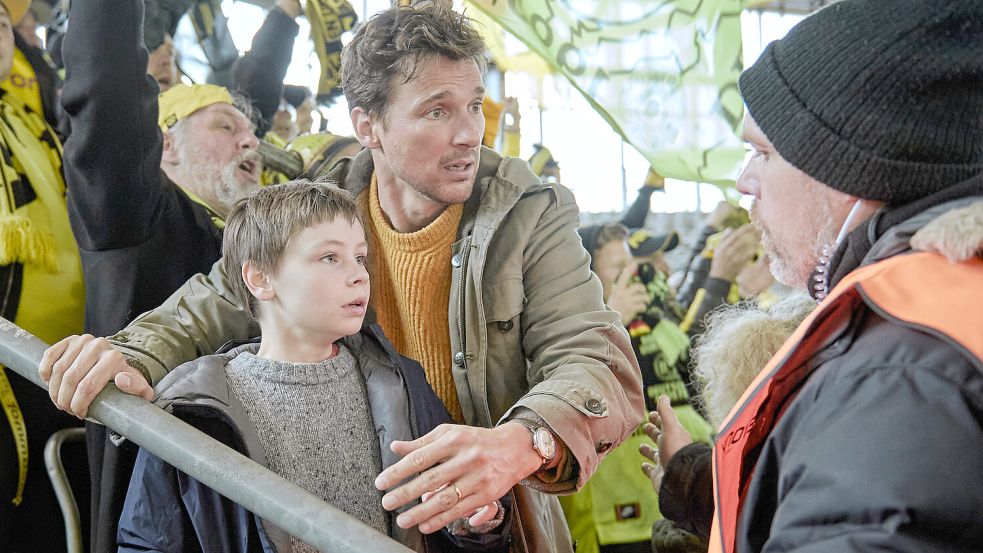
551, 480
138, 365
685, 496
717, 288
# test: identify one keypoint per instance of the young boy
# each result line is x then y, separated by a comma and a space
318, 400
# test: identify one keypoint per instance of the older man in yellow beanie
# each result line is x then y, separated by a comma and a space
209, 146
41, 278
151, 177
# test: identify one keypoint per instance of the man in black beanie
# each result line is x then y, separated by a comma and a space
863, 432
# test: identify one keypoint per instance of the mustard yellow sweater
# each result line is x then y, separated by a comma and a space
410, 288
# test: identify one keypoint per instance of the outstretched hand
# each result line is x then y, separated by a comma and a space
734, 252
466, 468
510, 115
721, 213
669, 436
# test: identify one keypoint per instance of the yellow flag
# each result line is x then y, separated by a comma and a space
662, 74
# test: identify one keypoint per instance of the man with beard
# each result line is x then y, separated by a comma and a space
150, 180
478, 273
863, 432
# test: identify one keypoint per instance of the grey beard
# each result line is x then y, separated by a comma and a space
794, 268
220, 182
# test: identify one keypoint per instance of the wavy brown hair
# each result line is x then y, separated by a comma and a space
390, 47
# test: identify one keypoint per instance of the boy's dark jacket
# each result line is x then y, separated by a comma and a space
167, 510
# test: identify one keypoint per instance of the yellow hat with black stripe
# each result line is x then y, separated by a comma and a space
182, 100
643, 243
541, 159
16, 9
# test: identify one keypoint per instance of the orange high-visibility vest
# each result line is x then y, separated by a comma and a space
918, 290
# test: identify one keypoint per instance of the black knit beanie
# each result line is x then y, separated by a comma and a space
880, 99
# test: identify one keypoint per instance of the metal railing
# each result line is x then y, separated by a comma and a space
271, 497
63, 489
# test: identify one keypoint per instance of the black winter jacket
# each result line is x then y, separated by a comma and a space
880, 450
140, 237
259, 74
49, 83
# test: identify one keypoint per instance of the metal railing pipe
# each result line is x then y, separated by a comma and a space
273, 498
63, 490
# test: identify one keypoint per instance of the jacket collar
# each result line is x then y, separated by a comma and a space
202, 383
889, 231
487, 205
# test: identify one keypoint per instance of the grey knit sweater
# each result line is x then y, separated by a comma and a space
314, 422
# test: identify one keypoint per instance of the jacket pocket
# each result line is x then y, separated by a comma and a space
506, 376
505, 300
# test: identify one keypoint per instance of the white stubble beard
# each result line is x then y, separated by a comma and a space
794, 268
228, 190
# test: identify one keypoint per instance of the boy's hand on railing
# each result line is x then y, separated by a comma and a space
474, 465
77, 368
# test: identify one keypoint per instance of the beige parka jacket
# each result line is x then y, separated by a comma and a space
527, 322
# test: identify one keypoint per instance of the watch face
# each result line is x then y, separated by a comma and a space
544, 443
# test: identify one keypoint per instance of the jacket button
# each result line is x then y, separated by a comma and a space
456, 261
504, 326
594, 406
603, 446
121, 338
459, 359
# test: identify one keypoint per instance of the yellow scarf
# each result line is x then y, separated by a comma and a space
23, 82
34, 229
217, 220
38, 252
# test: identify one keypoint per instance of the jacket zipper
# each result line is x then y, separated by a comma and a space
460, 295
394, 358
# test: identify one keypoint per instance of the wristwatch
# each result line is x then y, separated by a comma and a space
543, 442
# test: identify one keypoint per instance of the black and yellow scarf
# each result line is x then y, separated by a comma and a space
329, 19
40, 269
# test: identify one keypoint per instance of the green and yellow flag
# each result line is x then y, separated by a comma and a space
663, 73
